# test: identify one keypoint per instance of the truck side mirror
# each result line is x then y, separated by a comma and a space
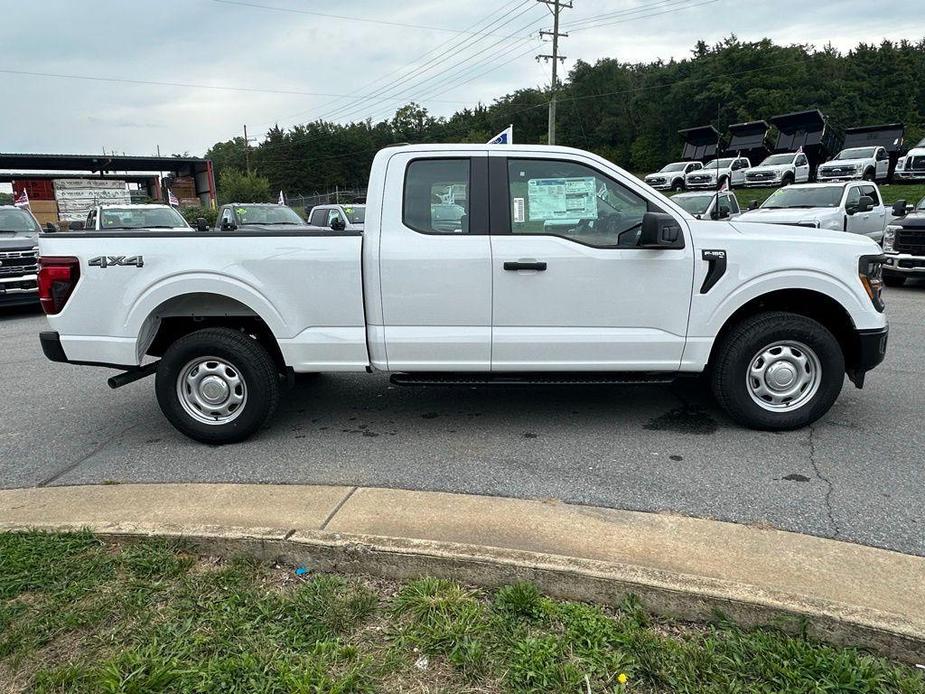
228, 225
338, 224
899, 208
865, 204
722, 213
202, 224
50, 228
660, 230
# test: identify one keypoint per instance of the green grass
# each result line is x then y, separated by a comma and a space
78, 615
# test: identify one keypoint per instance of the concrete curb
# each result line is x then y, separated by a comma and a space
685, 595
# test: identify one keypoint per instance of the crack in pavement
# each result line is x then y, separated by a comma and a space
829, 487
72, 466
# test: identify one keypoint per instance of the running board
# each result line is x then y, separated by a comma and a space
530, 379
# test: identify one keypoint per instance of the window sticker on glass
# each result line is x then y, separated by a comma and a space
562, 198
518, 210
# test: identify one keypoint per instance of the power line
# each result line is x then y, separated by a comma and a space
627, 12
645, 16
327, 15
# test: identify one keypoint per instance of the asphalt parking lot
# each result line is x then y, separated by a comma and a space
856, 475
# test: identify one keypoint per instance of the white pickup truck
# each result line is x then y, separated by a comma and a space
564, 269
855, 207
868, 163
780, 169
717, 172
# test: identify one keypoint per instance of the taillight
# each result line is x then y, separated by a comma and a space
57, 278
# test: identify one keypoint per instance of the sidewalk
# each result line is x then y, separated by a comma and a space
685, 567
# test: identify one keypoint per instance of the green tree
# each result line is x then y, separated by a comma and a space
237, 186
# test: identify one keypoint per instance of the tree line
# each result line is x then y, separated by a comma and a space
628, 113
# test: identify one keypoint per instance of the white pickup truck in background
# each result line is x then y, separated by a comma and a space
671, 176
716, 172
564, 269
855, 207
131, 217
867, 163
779, 170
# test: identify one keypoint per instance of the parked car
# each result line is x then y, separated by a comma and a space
339, 217
911, 167
715, 173
904, 244
779, 170
637, 291
856, 207
868, 163
671, 176
257, 216
704, 205
133, 217
19, 232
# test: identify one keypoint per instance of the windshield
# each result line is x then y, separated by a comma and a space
356, 214
17, 223
677, 166
777, 159
140, 218
823, 196
719, 164
266, 214
856, 153
695, 204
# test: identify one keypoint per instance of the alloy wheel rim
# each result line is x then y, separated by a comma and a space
211, 390
783, 376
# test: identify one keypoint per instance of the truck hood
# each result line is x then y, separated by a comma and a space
788, 215
803, 235
769, 169
843, 163
17, 243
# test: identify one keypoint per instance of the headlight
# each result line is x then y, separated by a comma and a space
870, 272
859, 167
889, 237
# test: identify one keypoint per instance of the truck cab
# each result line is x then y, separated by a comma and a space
132, 218
867, 163
715, 173
780, 169
338, 217
855, 207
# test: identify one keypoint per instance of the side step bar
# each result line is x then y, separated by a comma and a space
530, 379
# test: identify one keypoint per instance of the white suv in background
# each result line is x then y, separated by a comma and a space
869, 163
671, 176
779, 170
716, 172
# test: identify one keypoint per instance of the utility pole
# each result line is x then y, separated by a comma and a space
555, 7
247, 149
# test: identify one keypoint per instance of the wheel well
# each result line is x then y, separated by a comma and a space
185, 314
806, 302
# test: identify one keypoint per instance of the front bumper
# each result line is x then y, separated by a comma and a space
821, 177
18, 291
870, 350
701, 185
659, 186
764, 183
904, 264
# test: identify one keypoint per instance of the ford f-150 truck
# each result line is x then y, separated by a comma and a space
855, 207
564, 269
132, 217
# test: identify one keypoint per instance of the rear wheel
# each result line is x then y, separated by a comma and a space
893, 280
778, 371
217, 385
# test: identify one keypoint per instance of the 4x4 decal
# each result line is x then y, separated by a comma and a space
104, 261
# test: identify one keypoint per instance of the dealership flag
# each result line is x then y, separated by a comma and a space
22, 200
282, 200
800, 149
505, 137
172, 199
725, 187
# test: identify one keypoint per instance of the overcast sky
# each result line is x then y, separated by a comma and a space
238, 44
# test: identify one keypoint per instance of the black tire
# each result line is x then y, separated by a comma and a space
735, 355
891, 280
786, 180
677, 185
250, 364
869, 175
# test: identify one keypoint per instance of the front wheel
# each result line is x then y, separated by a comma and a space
778, 371
217, 385
869, 175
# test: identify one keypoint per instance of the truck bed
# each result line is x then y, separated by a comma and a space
306, 286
